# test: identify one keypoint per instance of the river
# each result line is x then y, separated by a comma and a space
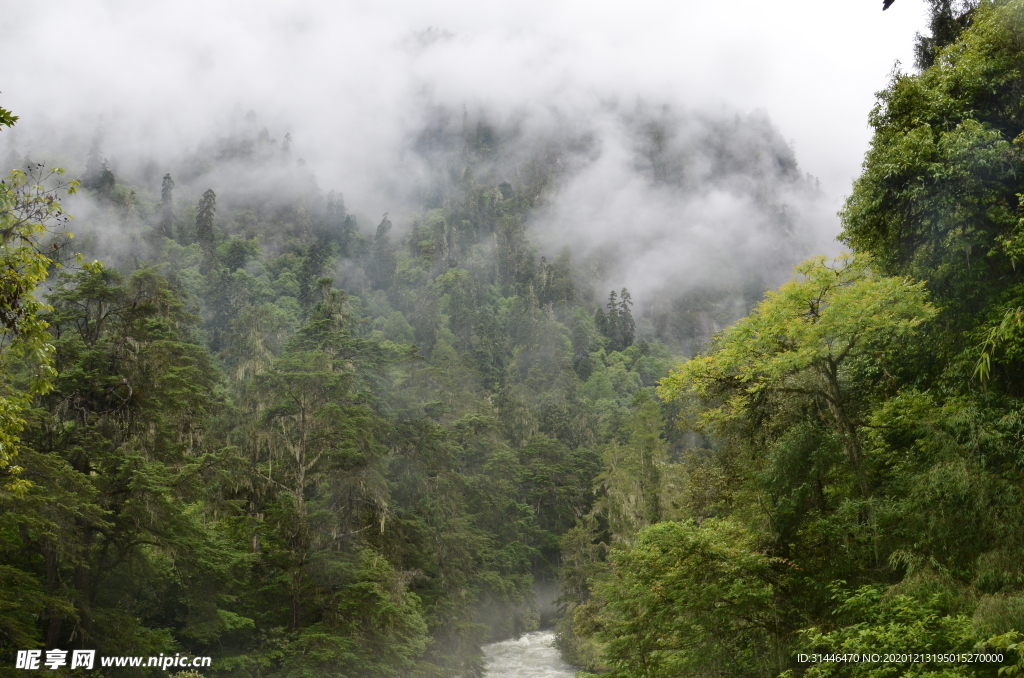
532, 655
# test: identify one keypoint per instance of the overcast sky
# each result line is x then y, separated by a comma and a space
346, 71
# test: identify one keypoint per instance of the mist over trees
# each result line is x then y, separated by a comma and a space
296, 438
313, 431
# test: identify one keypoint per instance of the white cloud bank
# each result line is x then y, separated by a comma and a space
353, 84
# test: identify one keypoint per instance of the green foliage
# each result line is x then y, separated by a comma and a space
689, 600
877, 622
116, 452
616, 323
846, 438
813, 337
239, 459
383, 262
946, 20
831, 316
938, 199
7, 119
1003, 338
633, 488
29, 211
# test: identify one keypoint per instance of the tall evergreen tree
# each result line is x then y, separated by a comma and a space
166, 226
93, 163
627, 328
104, 181
204, 227
601, 321
613, 324
313, 266
383, 260
616, 321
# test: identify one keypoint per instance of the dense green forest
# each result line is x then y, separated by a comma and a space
243, 426
862, 490
249, 424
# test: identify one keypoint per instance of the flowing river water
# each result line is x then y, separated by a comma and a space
532, 655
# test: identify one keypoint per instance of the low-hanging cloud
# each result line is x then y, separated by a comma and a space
675, 173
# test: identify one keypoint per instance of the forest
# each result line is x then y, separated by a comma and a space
242, 419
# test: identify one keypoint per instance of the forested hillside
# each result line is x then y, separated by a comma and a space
259, 421
253, 425
862, 490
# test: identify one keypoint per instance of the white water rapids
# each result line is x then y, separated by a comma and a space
532, 655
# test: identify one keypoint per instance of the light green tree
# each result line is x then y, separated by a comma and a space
689, 600
810, 337
31, 219
632, 483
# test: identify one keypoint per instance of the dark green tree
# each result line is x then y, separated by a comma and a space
383, 260
205, 213
946, 20
616, 322
166, 224
122, 444
627, 327
104, 181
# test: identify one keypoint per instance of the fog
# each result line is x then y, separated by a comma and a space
782, 89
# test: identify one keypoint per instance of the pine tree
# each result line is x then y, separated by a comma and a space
601, 321
338, 224
383, 261
166, 226
204, 227
98, 176
627, 328
614, 332
93, 163
313, 267
616, 323
105, 181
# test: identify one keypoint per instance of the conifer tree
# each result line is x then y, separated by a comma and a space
616, 323
93, 163
383, 260
204, 227
166, 227
104, 181
312, 268
627, 328
946, 20
601, 321
614, 332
